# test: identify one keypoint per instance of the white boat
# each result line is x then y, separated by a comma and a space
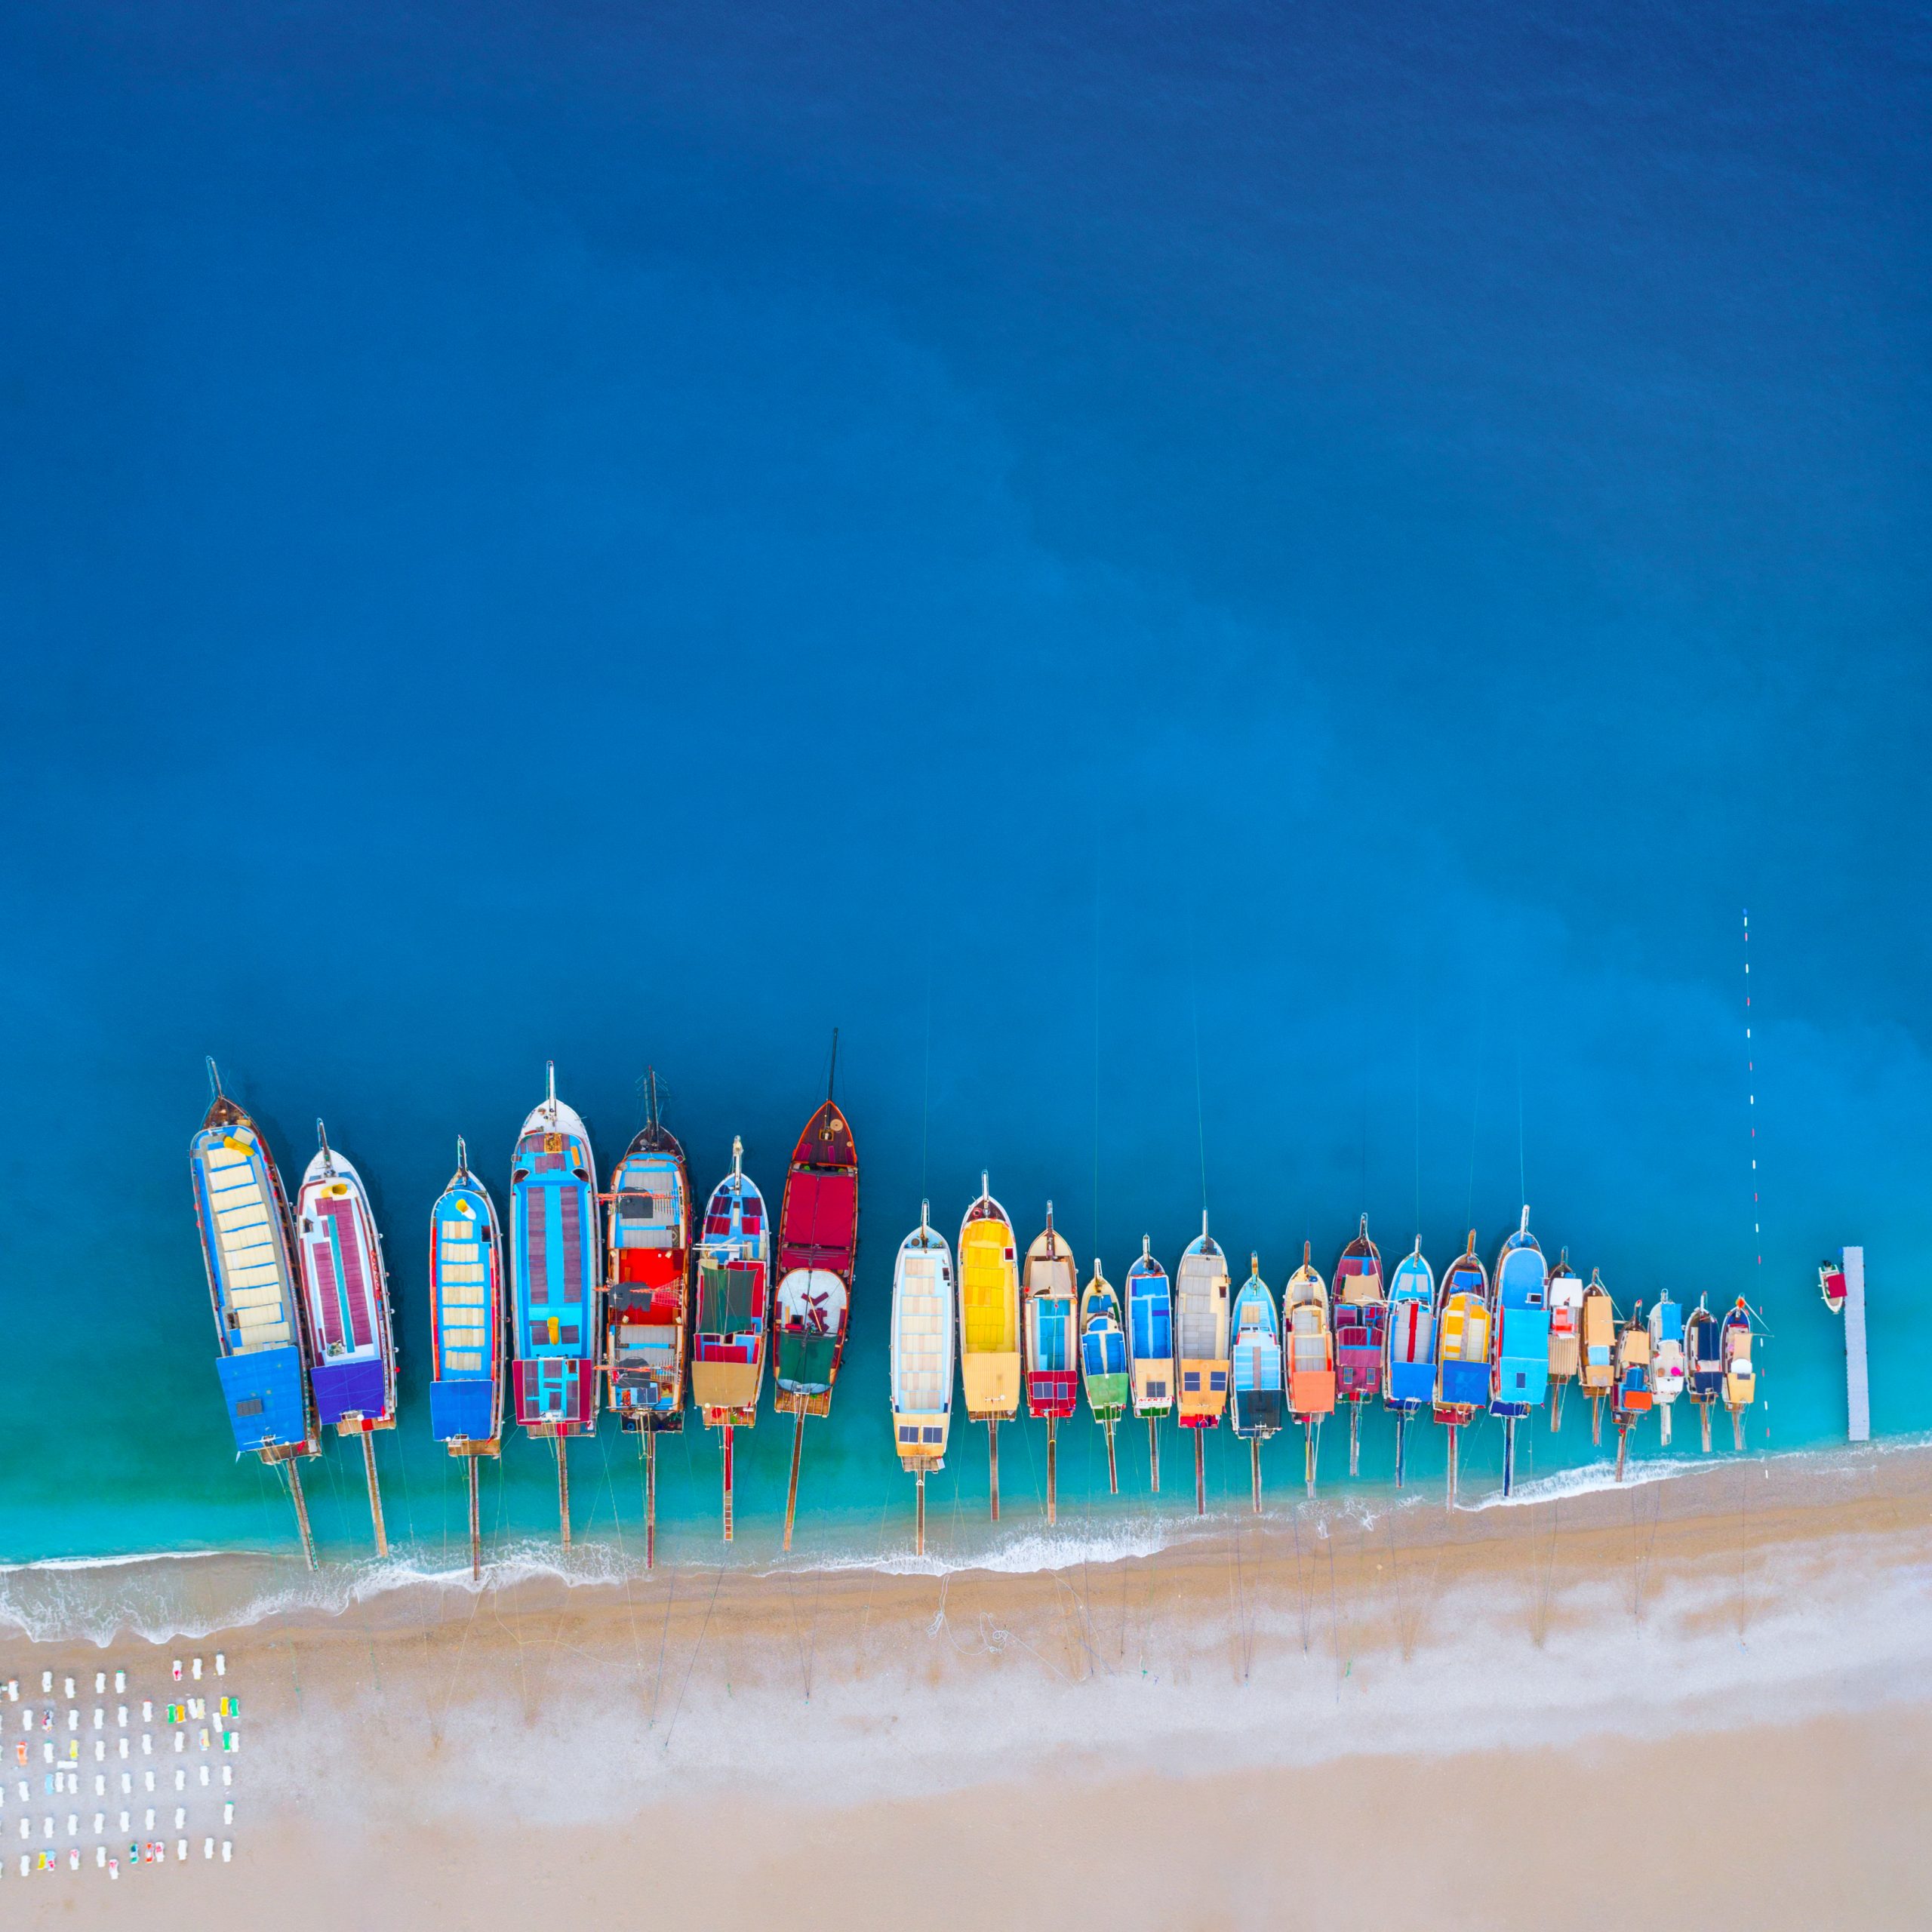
922, 1356
1667, 1365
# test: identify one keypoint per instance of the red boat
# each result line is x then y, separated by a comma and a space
1358, 1302
818, 1247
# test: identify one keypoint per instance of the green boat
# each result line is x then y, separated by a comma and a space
1104, 1361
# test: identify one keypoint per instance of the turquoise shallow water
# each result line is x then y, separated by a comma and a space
1221, 594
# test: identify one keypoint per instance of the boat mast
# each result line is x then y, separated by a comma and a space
214, 1080
831, 1077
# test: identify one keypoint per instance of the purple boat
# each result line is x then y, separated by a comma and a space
351, 1343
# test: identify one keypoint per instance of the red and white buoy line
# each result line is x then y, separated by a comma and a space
1751, 1105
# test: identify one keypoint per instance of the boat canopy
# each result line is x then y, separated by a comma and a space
263, 1391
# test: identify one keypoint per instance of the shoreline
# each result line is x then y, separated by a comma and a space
200, 1593
504, 1740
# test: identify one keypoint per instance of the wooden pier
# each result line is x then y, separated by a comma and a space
1857, 1394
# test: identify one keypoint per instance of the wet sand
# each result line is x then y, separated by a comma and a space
1712, 1694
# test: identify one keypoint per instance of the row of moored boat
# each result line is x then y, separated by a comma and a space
620, 1294
623, 1296
1194, 1348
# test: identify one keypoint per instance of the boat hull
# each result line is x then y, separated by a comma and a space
242, 1214
920, 1365
466, 1319
556, 1275
818, 1235
648, 1281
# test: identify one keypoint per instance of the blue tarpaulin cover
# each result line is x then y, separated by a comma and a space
349, 1388
460, 1408
264, 1391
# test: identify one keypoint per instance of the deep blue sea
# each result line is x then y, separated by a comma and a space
1241, 597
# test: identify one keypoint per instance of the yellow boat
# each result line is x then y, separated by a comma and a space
989, 1321
1596, 1369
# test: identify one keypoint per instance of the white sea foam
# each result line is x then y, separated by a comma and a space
52, 1563
166, 1595
1585, 1481
1034, 1550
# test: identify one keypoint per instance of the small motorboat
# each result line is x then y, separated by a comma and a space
1256, 1403
1360, 1307
1631, 1397
1464, 1324
1309, 1348
1831, 1285
1150, 1348
1596, 1371
1666, 1326
1201, 1311
1740, 1372
1103, 1369
1408, 1379
1703, 1364
1049, 1318
1563, 1291
1519, 1360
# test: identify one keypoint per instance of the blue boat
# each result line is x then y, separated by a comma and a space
242, 1214
1703, 1364
1150, 1347
556, 1280
1257, 1402
1408, 1376
466, 1329
1519, 1360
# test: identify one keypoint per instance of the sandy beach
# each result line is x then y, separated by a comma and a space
1715, 1690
